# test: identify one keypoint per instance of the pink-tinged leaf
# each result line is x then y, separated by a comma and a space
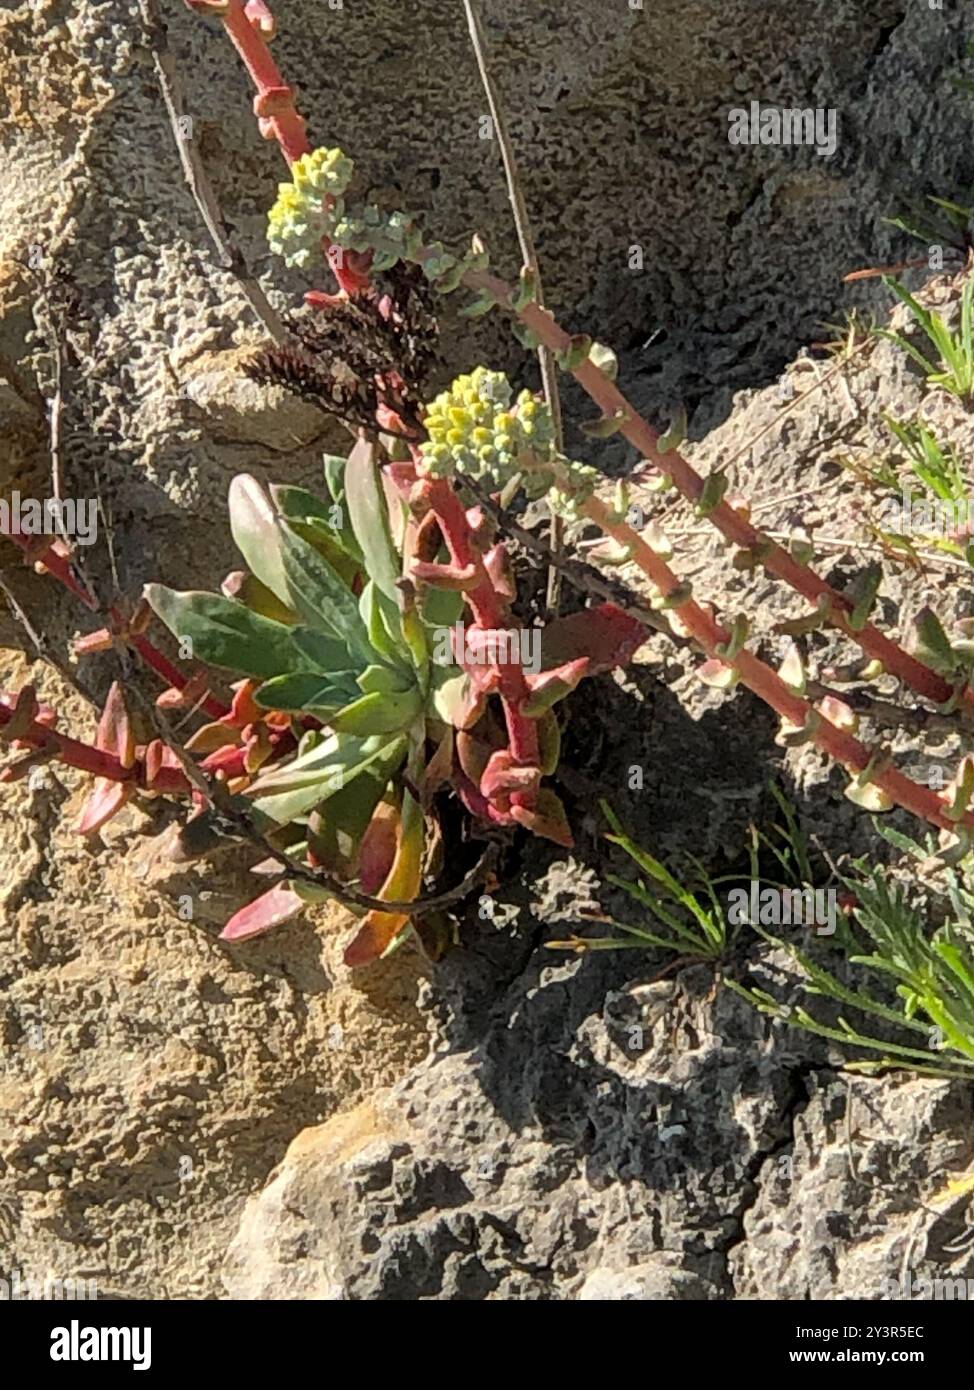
105, 800
279, 904
546, 818
231, 761
187, 696
719, 675
24, 714
551, 686
256, 534
319, 299
378, 850
163, 770
403, 475
497, 563
605, 634
504, 775
115, 728
453, 577
439, 769
101, 641
380, 929
470, 795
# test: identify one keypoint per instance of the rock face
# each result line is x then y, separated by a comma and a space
570, 1136
574, 1155
587, 1131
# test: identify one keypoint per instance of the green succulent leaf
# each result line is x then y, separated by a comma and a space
442, 607
253, 525
382, 621
384, 680
224, 633
323, 654
454, 699
310, 692
382, 712
335, 832
321, 597
862, 593
285, 793
325, 525
931, 644
369, 513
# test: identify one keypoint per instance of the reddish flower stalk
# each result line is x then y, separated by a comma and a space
769, 686
251, 26
36, 732
732, 524
55, 558
490, 613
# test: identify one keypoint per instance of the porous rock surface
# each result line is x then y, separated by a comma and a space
564, 1138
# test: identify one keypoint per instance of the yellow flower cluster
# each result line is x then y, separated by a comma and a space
474, 427
308, 207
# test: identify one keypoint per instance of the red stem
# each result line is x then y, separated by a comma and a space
83, 756
729, 522
56, 559
274, 103
490, 612
768, 685
251, 26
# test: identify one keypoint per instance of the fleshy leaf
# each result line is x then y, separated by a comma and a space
378, 713
284, 793
403, 883
551, 686
378, 850
279, 904
605, 634
455, 698
253, 525
366, 501
320, 595
105, 800
335, 832
302, 691
228, 635
547, 818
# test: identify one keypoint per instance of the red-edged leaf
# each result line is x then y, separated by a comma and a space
378, 849
277, 905
115, 728
503, 774
546, 818
104, 801
551, 686
606, 635
380, 929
